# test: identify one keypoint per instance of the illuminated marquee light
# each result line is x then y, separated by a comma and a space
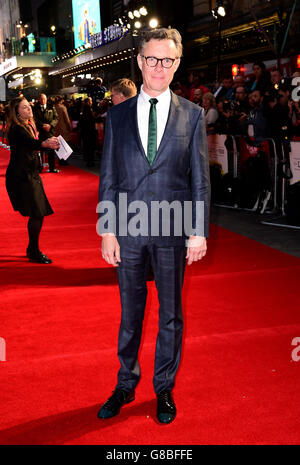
234, 70
107, 60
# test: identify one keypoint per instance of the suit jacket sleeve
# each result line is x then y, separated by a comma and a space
108, 188
200, 179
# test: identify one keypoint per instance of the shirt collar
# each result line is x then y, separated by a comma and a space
164, 98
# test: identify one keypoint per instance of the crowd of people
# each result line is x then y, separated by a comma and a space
259, 107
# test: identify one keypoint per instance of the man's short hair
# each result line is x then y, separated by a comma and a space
256, 90
162, 34
124, 86
99, 80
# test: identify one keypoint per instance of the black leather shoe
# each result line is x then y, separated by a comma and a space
114, 403
39, 258
166, 410
54, 171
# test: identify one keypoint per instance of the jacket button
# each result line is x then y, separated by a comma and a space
151, 171
151, 194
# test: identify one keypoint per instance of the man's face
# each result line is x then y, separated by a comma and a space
43, 99
255, 99
275, 77
257, 71
283, 97
117, 97
157, 79
197, 96
227, 83
239, 81
240, 94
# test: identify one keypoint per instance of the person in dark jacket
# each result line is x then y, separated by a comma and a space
46, 119
23, 183
88, 133
261, 80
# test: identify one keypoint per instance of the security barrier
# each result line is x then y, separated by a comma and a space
248, 172
256, 176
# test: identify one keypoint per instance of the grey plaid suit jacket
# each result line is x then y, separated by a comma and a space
180, 171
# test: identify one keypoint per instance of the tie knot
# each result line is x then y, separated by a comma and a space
153, 101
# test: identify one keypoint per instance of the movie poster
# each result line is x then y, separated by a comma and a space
86, 20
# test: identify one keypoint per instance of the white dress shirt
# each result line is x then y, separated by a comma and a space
162, 112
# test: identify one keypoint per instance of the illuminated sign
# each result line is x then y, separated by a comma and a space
109, 34
8, 65
86, 20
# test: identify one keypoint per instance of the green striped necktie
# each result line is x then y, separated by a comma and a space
152, 131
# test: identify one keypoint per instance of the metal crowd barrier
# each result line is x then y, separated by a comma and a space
3, 135
230, 152
290, 162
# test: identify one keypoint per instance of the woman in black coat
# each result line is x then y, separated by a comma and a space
23, 182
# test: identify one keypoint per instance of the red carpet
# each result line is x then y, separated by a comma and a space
237, 382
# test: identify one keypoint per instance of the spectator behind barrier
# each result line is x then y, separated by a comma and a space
232, 114
241, 98
211, 113
257, 125
276, 78
198, 95
225, 89
281, 115
195, 83
261, 80
179, 89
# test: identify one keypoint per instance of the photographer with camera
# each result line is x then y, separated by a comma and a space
233, 113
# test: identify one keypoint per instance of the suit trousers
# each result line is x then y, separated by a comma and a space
168, 265
50, 154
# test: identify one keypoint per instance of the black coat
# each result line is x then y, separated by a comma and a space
23, 182
48, 116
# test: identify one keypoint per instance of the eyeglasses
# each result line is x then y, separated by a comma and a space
165, 62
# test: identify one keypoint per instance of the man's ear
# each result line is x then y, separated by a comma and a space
176, 64
139, 61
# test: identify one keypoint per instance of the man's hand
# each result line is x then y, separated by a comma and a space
46, 127
110, 249
243, 116
196, 249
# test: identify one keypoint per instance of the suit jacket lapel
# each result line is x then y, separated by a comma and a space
169, 129
134, 125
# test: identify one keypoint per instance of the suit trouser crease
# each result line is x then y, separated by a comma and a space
168, 265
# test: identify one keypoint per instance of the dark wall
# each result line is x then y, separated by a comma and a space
58, 13
25, 11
